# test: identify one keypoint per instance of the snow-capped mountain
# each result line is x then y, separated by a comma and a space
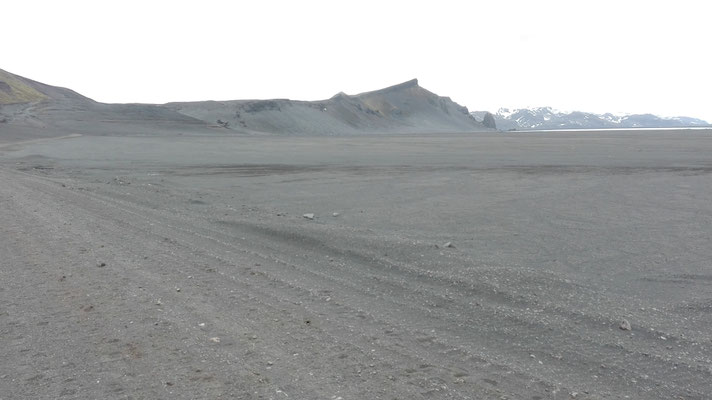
549, 118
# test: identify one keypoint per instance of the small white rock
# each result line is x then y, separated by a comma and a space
309, 216
215, 339
335, 214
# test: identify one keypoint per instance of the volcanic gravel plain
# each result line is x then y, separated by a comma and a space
549, 265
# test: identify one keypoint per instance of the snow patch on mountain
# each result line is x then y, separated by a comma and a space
544, 118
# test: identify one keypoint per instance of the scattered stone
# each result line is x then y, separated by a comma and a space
625, 325
101, 265
309, 216
177, 289
449, 245
215, 339
335, 214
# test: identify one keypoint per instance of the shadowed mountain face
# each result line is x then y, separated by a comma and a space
30, 109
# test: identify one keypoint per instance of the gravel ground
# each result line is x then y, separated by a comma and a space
504, 266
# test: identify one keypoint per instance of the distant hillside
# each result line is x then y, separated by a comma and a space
30, 109
402, 108
14, 90
547, 118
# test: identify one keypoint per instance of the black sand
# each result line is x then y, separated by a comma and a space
214, 285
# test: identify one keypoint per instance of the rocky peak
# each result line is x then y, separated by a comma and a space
488, 121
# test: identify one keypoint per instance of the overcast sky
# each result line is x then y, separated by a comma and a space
620, 56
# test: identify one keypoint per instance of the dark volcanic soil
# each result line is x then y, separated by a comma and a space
182, 267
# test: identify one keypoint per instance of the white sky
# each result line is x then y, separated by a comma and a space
618, 56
